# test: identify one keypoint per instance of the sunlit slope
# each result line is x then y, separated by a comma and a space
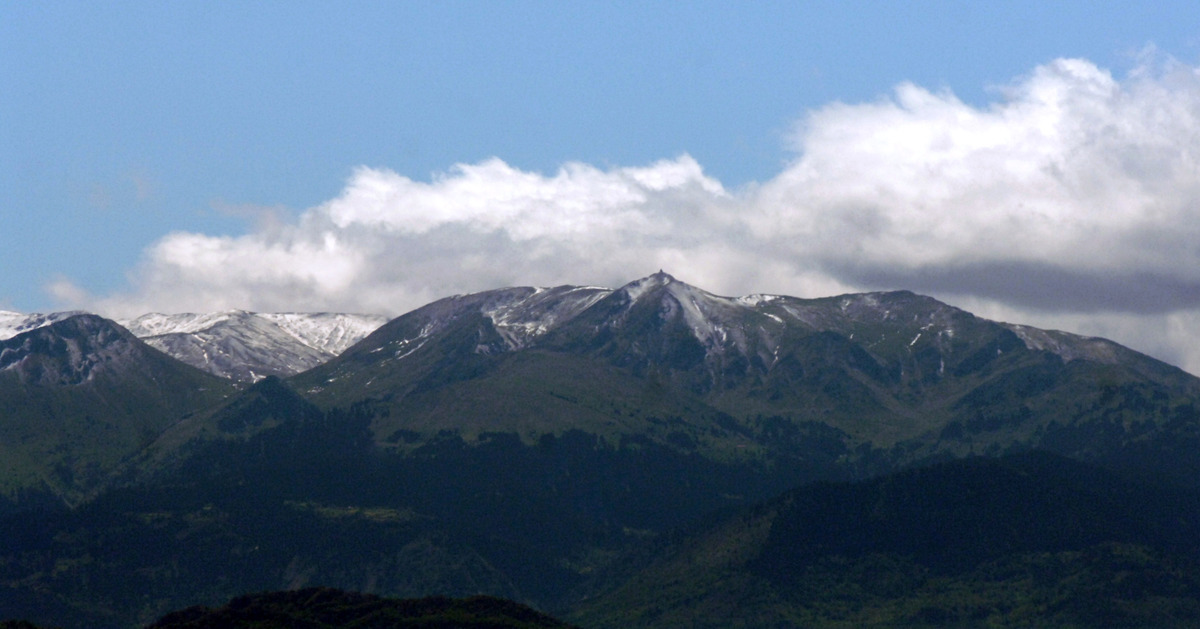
79, 396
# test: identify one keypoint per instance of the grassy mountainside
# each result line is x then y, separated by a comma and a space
309, 499
79, 397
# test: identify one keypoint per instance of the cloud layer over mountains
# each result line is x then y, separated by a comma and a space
1071, 201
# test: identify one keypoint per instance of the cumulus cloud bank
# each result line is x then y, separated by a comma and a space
1072, 200
1075, 192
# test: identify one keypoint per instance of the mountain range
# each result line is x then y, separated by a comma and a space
575, 448
234, 344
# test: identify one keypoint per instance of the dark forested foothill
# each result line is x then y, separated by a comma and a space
325, 608
19, 624
1025, 540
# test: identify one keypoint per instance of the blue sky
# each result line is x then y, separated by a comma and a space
161, 155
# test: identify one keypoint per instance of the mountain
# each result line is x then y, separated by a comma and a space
904, 376
552, 446
80, 395
246, 346
475, 364
242, 346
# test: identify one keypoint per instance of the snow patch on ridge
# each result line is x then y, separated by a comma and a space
523, 318
157, 324
1068, 346
756, 299
328, 332
634, 290
700, 312
14, 323
249, 346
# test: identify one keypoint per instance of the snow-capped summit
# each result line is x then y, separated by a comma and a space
14, 323
637, 288
68, 350
713, 320
247, 346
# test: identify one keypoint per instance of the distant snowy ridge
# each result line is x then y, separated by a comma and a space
235, 344
14, 323
325, 332
247, 346
332, 333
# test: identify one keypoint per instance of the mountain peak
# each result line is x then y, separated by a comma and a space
67, 351
637, 288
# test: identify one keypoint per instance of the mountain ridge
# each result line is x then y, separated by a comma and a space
234, 344
246, 346
881, 357
318, 337
906, 376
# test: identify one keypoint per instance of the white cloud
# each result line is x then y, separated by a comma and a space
1072, 170
389, 244
1072, 199
577, 202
